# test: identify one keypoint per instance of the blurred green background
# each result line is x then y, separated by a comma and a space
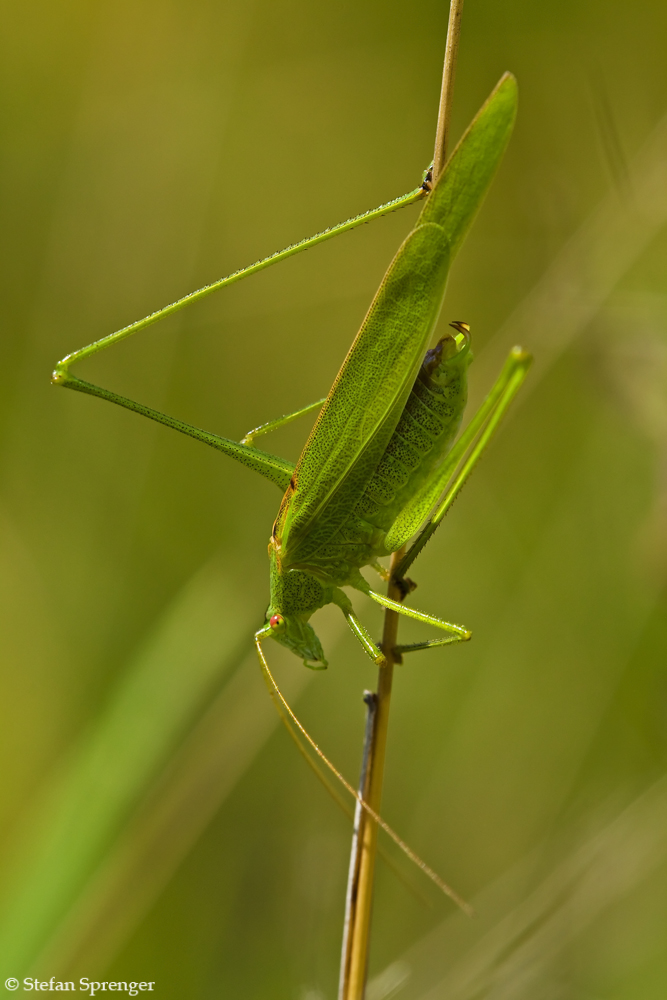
156, 824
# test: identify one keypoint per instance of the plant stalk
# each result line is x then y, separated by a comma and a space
360, 815
449, 68
354, 964
359, 903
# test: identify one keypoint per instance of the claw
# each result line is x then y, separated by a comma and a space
405, 585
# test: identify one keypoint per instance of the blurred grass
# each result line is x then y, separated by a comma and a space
175, 738
147, 148
84, 810
528, 940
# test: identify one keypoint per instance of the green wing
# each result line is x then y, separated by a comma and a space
371, 388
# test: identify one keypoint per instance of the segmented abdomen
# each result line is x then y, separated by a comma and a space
423, 436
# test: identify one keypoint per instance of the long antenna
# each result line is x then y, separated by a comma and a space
451, 50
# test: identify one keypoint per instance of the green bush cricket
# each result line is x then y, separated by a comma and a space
382, 454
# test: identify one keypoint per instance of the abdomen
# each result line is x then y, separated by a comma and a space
422, 438
424, 434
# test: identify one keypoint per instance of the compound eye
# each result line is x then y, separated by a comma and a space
275, 621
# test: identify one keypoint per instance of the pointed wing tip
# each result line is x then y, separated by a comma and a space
507, 88
507, 78
507, 82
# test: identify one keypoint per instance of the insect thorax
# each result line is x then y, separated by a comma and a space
296, 592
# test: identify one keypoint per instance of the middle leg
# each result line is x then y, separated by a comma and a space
455, 633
